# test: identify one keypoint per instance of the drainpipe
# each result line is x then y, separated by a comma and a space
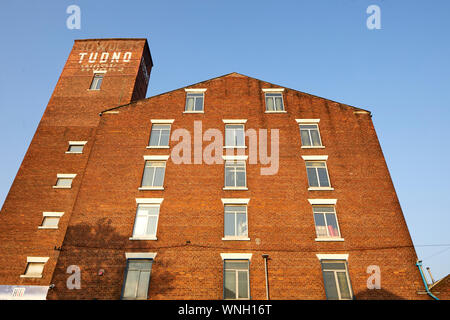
419, 265
265, 257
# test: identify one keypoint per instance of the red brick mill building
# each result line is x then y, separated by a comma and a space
99, 195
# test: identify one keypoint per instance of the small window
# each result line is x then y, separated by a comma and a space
160, 135
235, 175
153, 174
236, 280
317, 174
274, 101
236, 222
50, 222
326, 222
234, 135
97, 81
76, 146
146, 222
137, 279
34, 269
194, 102
336, 280
64, 181
310, 135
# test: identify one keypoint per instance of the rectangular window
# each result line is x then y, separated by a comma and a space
274, 101
97, 81
326, 222
234, 135
160, 135
76, 146
317, 174
153, 174
310, 135
235, 175
146, 223
236, 280
194, 102
336, 280
236, 222
64, 181
34, 269
137, 279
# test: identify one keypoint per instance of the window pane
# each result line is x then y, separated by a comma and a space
140, 225
149, 171
318, 209
230, 284
230, 224
241, 221
240, 179
131, 283
334, 265
76, 148
343, 285
323, 177
330, 285
312, 177
305, 138
189, 104
332, 225
35, 268
236, 264
240, 138
229, 176
279, 103
50, 222
269, 104
144, 280
154, 137
315, 138
199, 104
315, 164
321, 229
229, 137
64, 182
243, 284
159, 177
151, 225
165, 136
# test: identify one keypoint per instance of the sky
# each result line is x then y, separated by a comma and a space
323, 47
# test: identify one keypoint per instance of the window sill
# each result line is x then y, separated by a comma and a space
193, 111
329, 239
73, 152
93, 89
320, 189
31, 276
235, 147
150, 188
157, 147
235, 188
280, 111
62, 187
313, 147
143, 238
236, 239
52, 228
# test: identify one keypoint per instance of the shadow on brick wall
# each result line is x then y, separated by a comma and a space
377, 294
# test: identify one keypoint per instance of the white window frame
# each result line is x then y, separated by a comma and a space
274, 90
236, 237
235, 159
50, 215
318, 159
97, 73
76, 143
152, 202
328, 238
64, 176
137, 256
235, 202
168, 122
197, 91
234, 122
337, 258
237, 278
154, 159
40, 260
310, 122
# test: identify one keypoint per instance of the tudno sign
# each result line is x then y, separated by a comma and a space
105, 57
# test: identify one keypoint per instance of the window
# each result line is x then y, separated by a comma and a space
153, 176
310, 135
97, 81
317, 174
137, 279
146, 222
234, 135
76, 146
235, 175
236, 222
64, 181
326, 222
194, 102
35, 267
336, 280
50, 220
236, 281
160, 135
274, 101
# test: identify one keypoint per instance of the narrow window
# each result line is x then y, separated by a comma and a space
336, 280
137, 279
64, 181
153, 174
310, 135
34, 269
236, 281
235, 175
236, 222
194, 101
317, 174
274, 101
146, 222
160, 135
326, 222
97, 81
234, 135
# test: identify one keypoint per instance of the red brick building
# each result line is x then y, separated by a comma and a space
173, 196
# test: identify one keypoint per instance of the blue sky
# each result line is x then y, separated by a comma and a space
322, 47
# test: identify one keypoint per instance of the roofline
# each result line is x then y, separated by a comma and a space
227, 74
434, 284
102, 39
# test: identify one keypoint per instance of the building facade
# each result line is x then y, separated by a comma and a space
231, 188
